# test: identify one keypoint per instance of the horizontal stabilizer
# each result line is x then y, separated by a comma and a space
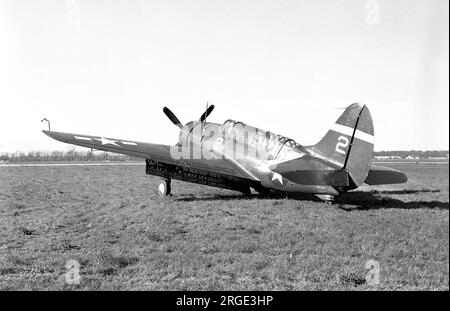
309, 170
379, 175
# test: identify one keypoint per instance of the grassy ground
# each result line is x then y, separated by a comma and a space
110, 219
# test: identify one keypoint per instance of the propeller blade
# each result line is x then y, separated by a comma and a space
206, 113
172, 117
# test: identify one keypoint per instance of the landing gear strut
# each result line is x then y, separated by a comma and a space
164, 188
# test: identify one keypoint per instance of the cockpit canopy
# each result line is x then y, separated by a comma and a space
270, 144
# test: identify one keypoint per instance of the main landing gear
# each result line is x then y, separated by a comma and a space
164, 188
327, 198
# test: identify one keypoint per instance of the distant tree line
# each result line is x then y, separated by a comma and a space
56, 156
74, 155
413, 153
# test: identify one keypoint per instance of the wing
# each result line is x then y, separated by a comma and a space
379, 175
161, 153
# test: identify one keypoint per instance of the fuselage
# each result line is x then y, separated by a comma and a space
255, 151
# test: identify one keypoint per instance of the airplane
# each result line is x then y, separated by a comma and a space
239, 157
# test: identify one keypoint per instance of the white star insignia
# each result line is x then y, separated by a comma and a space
106, 141
278, 177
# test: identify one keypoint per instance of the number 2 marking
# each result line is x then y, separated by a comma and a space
342, 144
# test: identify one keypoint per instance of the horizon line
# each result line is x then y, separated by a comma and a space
96, 150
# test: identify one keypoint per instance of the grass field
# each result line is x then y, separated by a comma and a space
110, 220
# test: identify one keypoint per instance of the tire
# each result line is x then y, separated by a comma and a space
164, 188
263, 191
246, 191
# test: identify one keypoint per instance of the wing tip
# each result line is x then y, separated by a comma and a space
48, 133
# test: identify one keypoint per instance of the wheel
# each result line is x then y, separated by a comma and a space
263, 191
164, 188
246, 191
327, 198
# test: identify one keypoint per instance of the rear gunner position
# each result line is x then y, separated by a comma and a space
239, 157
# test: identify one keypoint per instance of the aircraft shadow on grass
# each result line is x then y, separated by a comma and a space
405, 191
355, 200
359, 200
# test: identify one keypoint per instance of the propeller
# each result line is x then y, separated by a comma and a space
177, 122
172, 117
206, 113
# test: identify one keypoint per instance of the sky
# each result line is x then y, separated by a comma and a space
108, 68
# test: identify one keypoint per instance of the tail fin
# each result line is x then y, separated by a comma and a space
349, 143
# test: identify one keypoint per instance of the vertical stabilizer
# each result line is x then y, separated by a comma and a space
349, 143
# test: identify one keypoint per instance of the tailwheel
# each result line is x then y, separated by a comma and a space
164, 188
